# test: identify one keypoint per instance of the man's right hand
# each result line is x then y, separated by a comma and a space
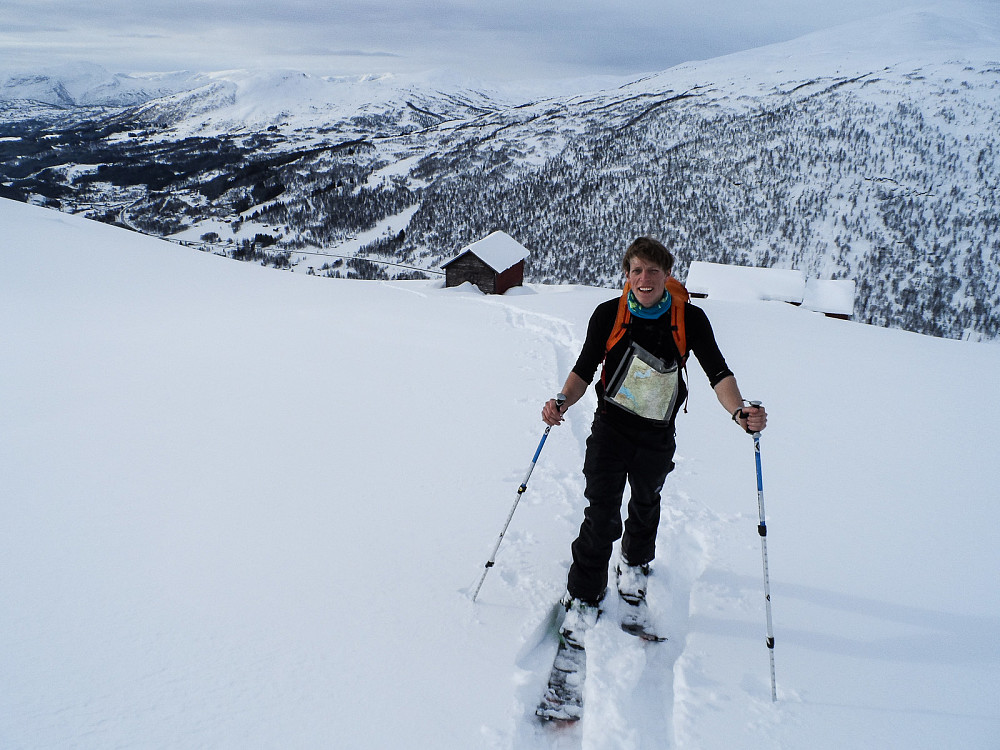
552, 415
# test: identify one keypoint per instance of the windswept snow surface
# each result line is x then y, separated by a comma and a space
245, 508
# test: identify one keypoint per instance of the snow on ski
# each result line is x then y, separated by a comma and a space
636, 620
563, 699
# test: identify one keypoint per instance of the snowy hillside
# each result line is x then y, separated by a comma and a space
234, 100
90, 85
244, 509
866, 152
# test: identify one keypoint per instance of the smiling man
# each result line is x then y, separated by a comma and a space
642, 339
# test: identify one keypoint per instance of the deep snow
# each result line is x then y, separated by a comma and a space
244, 508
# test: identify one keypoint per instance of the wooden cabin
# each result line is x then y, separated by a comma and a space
494, 264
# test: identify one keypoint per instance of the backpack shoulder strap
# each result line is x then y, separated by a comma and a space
679, 297
678, 304
621, 321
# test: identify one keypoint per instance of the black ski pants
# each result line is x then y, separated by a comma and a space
614, 457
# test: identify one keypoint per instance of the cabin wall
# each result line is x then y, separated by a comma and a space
470, 268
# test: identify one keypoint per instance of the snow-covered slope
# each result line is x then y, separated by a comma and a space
86, 84
866, 152
233, 100
944, 31
947, 30
244, 509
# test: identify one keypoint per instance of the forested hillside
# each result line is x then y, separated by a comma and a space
885, 175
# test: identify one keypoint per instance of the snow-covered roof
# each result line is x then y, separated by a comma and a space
745, 283
499, 251
835, 297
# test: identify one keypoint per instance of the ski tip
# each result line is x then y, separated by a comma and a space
554, 709
556, 716
645, 635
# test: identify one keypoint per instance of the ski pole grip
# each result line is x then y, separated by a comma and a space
560, 400
755, 404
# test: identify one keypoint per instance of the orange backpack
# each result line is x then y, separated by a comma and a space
679, 296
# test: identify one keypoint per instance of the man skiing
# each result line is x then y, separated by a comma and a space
642, 340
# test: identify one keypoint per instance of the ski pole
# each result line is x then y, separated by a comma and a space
762, 530
520, 491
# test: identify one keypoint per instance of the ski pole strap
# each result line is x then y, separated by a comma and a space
560, 400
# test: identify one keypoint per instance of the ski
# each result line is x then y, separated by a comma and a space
635, 617
636, 620
563, 699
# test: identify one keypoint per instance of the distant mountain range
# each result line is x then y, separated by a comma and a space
867, 152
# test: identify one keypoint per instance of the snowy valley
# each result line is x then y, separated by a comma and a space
867, 152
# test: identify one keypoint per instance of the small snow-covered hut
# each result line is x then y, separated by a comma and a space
834, 298
745, 283
494, 264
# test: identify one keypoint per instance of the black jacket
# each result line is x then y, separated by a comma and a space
656, 337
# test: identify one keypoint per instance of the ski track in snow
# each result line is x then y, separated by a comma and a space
637, 694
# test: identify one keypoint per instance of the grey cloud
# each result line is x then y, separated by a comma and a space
513, 38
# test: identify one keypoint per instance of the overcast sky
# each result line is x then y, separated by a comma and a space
502, 39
